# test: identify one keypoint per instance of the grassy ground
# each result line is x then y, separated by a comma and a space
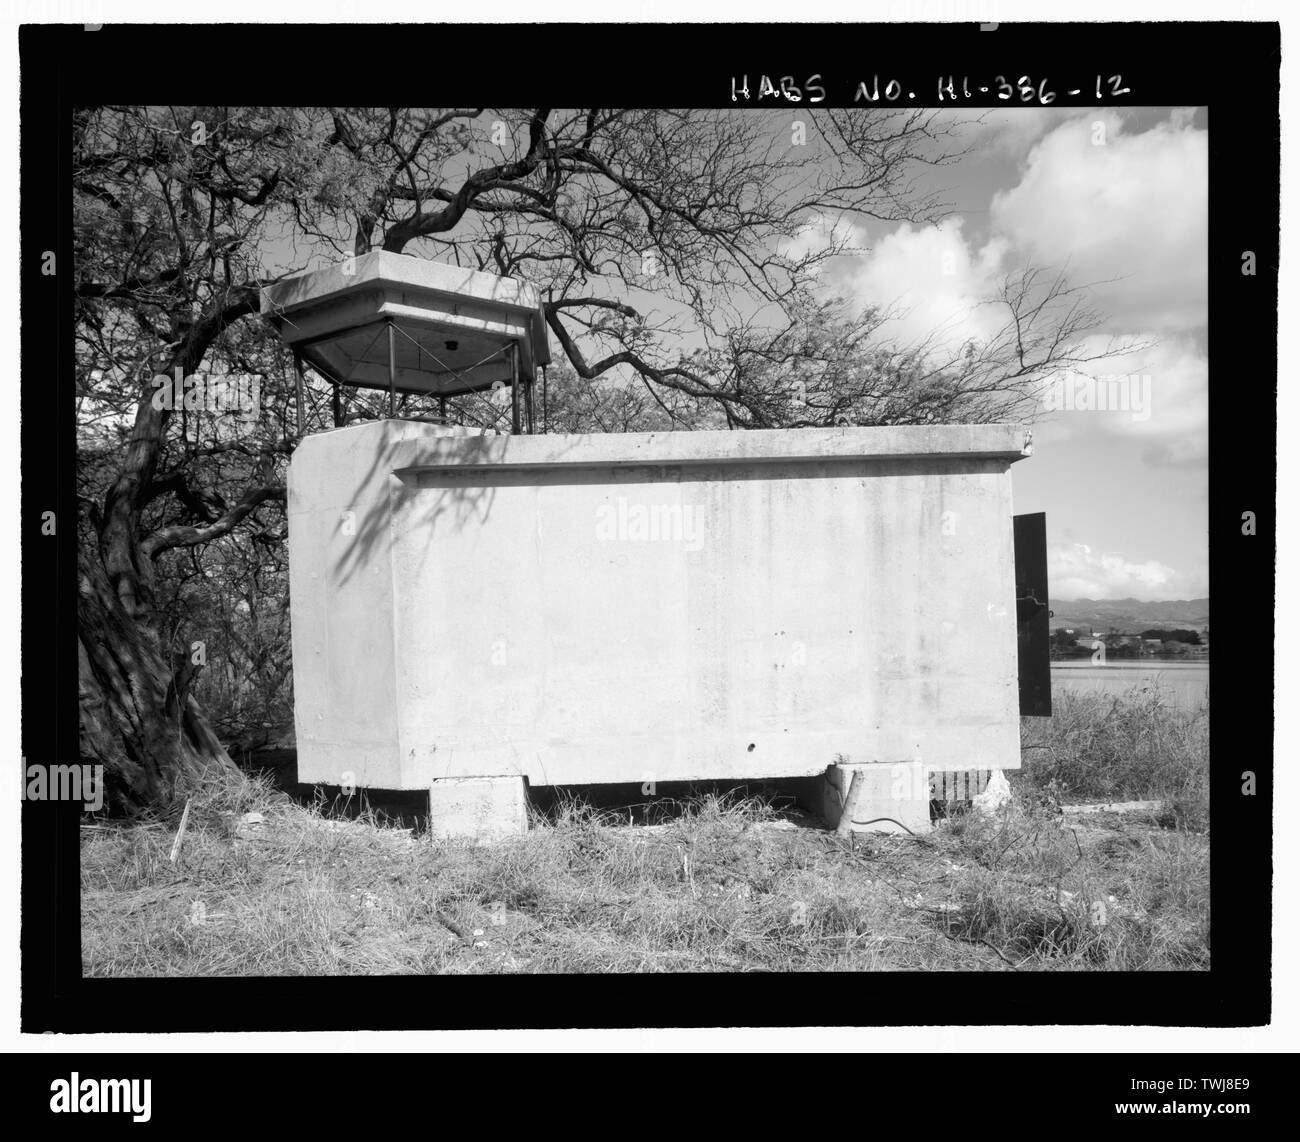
729, 884
1129, 746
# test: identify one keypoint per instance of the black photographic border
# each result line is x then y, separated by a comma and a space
1231, 68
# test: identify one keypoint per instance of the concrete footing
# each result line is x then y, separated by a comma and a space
900, 791
485, 808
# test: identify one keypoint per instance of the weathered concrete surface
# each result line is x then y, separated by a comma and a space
484, 807
900, 791
666, 606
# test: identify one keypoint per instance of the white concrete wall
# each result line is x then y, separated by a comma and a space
585, 609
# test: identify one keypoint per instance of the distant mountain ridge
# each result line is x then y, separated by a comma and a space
1131, 615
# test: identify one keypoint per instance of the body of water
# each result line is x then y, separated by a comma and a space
1187, 683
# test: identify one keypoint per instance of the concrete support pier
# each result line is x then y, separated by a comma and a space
900, 791
487, 808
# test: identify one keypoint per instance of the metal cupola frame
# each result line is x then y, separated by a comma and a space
409, 325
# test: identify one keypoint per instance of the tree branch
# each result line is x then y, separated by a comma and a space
183, 536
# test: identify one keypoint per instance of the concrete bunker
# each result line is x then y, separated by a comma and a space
474, 614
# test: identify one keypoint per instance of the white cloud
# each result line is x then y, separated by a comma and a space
1128, 212
1076, 571
1129, 215
1133, 209
933, 279
1119, 206
817, 236
1163, 400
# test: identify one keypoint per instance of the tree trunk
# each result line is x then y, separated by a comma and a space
137, 716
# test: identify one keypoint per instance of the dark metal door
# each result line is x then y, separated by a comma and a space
1033, 626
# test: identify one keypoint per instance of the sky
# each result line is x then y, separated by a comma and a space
1120, 198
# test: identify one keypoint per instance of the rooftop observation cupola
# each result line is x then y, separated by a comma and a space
407, 325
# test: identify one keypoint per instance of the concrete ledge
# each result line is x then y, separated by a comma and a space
484, 808
947, 442
899, 790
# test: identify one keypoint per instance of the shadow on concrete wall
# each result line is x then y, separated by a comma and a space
470, 502
464, 495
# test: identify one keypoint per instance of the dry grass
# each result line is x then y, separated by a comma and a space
726, 885
1134, 745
